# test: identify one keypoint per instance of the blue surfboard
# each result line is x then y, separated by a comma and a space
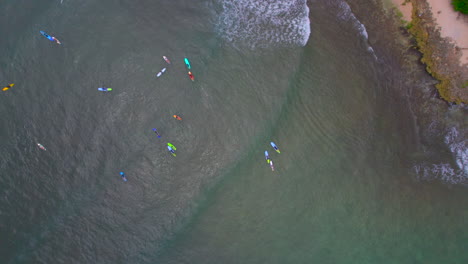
47, 36
155, 131
102, 89
124, 178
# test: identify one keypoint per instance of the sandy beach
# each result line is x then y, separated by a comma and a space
453, 25
405, 8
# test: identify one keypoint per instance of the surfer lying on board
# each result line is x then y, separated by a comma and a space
171, 150
104, 89
161, 72
267, 157
50, 37
191, 76
8, 87
177, 117
41, 146
155, 131
275, 147
123, 176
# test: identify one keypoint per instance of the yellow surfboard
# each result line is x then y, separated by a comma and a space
8, 87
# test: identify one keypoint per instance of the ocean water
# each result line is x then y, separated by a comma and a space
303, 75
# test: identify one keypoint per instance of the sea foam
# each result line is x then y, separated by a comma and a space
445, 172
263, 23
345, 13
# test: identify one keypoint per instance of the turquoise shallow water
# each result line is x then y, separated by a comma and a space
343, 189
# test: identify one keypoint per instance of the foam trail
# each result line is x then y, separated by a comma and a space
458, 147
457, 144
346, 14
264, 23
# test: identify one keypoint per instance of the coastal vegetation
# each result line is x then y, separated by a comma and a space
424, 33
440, 55
409, 26
405, 23
422, 39
460, 6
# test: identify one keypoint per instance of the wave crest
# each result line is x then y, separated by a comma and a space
445, 172
264, 23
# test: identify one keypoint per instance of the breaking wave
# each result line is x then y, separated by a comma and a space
446, 172
264, 23
345, 13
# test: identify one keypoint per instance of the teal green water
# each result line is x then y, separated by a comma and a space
343, 191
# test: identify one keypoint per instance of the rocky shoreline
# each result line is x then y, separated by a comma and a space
440, 125
437, 123
440, 55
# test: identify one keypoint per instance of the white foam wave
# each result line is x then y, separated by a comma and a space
458, 146
264, 23
444, 171
345, 14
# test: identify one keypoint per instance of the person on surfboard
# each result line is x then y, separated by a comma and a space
155, 131
41, 146
123, 176
8, 87
171, 149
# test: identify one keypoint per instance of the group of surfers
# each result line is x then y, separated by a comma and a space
187, 63
171, 148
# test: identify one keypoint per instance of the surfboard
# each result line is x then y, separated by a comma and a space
161, 72
104, 89
187, 63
